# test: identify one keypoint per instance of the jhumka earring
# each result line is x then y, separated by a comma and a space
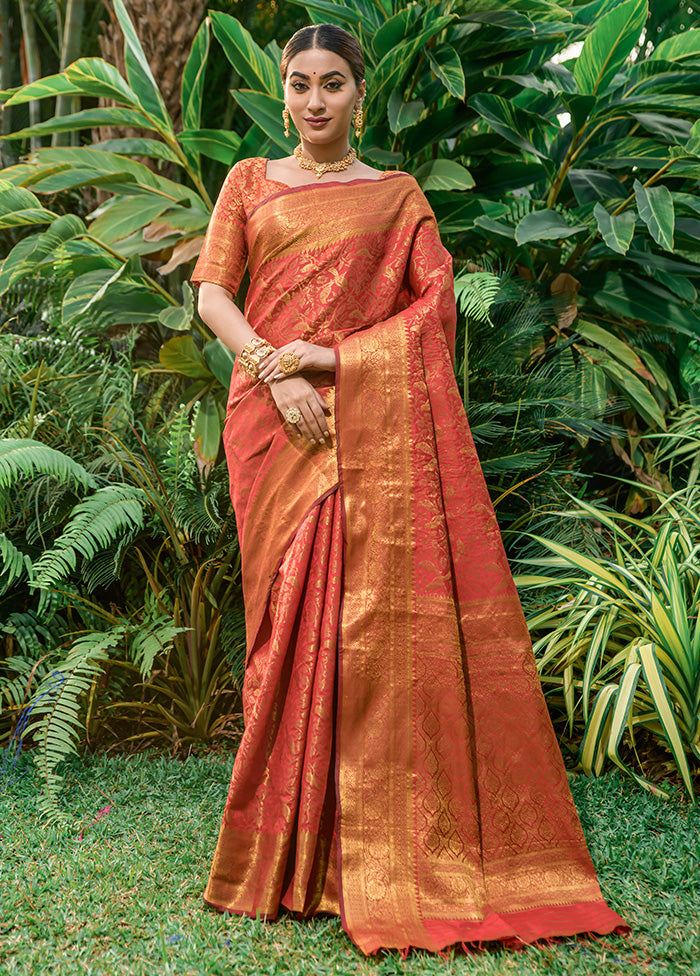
358, 120
285, 117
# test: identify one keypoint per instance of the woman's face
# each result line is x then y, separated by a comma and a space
321, 94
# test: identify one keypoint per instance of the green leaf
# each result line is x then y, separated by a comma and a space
617, 231
678, 48
179, 317
394, 67
22, 460
524, 129
592, 751
266, 111
607, 46
446, 64
591, 185
182, 355
220, 361
124, 215
545, 225
193, 78
206, 429
692, 146
331, 12
636, 297
66, 228
121, 301
47, 87
93, 526
249, 60
16, 264
97, 78
138, 147
394, 30
635, 391
87, 119
19, 206
606, 340
653, 675
655, 205
403, 114
139, 74
444, 174
219, 144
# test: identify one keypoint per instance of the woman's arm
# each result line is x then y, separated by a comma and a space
219, 311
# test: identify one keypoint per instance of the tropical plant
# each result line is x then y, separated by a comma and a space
137, 558
618, 642
599, 212
529, 408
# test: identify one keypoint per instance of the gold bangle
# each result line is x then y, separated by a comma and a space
252, 354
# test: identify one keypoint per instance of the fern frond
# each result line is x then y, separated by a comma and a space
33, 631
96, 524
117, 385
21, 459
20, 673
152, 639
55, 709
475, 293
15, 565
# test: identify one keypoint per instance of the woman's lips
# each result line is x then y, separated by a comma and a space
317, 123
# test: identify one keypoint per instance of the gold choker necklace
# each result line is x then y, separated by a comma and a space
320, 168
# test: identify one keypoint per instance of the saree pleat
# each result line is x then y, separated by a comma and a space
398, 765
275, 844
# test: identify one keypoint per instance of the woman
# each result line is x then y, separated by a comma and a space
398, 766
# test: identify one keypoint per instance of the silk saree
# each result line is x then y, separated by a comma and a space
398, 766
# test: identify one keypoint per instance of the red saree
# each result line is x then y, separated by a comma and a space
398, 765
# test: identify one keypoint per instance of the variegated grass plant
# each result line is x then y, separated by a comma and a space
619, 645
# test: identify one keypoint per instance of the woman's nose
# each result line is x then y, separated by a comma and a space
316, 102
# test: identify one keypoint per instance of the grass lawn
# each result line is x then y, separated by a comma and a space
126, 899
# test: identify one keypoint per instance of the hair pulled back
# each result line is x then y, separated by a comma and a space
329, 37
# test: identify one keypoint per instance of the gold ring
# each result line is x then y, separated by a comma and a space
288, 363
292, 416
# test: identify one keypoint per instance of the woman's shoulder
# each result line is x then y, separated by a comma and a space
246, 169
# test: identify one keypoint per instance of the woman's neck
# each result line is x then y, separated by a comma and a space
327, 152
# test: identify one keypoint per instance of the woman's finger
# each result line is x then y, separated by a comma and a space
318, 421
322, 403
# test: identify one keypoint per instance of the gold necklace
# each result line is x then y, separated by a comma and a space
337, 166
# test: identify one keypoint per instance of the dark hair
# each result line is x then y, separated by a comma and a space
330, 38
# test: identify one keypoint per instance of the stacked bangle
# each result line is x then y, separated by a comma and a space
252, 354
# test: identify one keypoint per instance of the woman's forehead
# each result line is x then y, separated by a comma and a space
318, 61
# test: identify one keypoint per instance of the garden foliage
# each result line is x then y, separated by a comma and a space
566, 189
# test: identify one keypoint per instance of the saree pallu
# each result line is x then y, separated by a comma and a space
398, 765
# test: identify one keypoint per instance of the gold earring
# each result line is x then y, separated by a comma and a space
285, 117
358, 120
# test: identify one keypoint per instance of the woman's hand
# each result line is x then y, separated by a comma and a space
295, 391
311, 358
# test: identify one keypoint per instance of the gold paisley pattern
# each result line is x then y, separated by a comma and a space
398, 765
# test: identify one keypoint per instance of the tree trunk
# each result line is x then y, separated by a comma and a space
166, 29
6, 60
31, 65
70, 52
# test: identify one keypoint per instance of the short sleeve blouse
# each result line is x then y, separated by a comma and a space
224, 253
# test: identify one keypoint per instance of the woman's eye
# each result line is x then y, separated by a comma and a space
333, 85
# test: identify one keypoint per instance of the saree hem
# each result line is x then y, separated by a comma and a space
524, 928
